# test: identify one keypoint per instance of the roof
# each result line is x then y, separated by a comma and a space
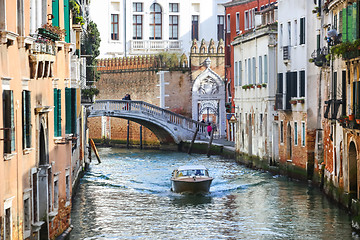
192, 167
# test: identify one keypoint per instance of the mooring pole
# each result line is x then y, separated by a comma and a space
193, 140
141, 146
210, 142
127, 137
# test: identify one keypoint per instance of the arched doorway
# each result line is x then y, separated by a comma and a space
288, 142
353, 169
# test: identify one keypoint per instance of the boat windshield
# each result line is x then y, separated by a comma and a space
193, 172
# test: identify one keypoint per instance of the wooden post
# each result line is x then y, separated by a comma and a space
127, 137
210, 142
141, 146
193, 140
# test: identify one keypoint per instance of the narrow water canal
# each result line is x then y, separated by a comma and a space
128, 196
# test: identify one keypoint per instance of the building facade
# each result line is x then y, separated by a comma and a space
41, 145
255, 74
239, 19
149, 27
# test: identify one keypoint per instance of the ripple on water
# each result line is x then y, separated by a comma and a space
128, 196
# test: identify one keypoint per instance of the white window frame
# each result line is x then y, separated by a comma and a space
8, 205
295, 32
240, 73
236, 74
27, 196
246, 20
282, 132
296, 140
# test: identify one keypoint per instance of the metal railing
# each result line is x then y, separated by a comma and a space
149, 45
140, 107
286, 52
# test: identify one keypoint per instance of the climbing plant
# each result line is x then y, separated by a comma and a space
90, 48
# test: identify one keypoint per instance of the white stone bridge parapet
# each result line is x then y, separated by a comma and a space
169, 127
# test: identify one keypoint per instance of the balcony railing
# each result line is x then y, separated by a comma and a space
43, 47
154, 45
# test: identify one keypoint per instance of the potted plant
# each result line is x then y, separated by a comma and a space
258, 86
264, 85
301, 100
351, 117
252, 85
293, 101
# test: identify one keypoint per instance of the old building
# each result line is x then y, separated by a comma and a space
147, 27
240, 18
255, 72
41, 144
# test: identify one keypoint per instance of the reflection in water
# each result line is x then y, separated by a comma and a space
128, 196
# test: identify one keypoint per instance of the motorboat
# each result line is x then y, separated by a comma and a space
191, 179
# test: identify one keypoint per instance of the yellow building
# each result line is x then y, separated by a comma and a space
41, 145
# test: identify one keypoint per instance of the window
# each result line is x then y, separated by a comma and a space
280, 83
114, 26
8, 224
2, 15
289, 33
173, 7
195, 27
295, 133
249, 71
302, 83
253, 18
281, 131
246, 70
260, 70
281, 35
240, 74
56, 193
57, 112
302, 30
254, 70
237, 22
155, 21
291, 84
9, 127
67, 185
26, 119
236, 74
335, 23
27, 213
303, 134
228, 23
137, 7
70, 106
20, 17
295, 33
246, 20
173, 27
261, 124
265, 69
220, 27
137, 27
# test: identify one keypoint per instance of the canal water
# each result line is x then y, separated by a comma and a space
128, 196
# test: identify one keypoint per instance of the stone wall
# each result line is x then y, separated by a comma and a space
140, 77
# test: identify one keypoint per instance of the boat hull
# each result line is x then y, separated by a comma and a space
191, 185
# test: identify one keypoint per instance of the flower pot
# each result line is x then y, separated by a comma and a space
351, 117
357, 121
301, 100
293, 101
258, 86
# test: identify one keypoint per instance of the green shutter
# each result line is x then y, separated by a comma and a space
73, 110
55, 113
55, 12
67, 20
318, 42
68, 110
12, 124
28, 118
350, 23
355, 27
344, 25
59, 112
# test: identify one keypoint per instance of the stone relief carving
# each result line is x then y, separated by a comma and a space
208, 86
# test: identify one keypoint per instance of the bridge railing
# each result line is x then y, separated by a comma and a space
151, 110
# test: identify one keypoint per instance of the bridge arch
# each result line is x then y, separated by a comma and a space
169, 127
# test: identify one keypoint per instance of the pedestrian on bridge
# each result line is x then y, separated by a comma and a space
209, 129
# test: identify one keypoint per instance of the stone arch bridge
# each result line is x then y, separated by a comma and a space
169, 127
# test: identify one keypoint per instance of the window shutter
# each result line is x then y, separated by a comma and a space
350, 23
28, 119
302, 83
73, 110
280, 83
288, 90
55, 113
293, 84
302, 30
344, 25
55, 12
68, 106
59, 112
23, 105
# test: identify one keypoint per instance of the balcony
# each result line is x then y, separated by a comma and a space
155, 45
320, 57
43, 47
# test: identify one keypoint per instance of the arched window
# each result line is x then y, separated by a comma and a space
155, 21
